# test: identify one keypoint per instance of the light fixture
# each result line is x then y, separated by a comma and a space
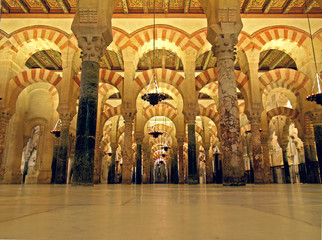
316, 95
154, 97
155, 133
56, 130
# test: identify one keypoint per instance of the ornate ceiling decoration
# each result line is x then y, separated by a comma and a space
162, 6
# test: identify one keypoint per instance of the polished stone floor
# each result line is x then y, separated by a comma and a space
161, 212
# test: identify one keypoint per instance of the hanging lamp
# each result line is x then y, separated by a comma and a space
316, 95
155, 133
166, 146
154, 97
56, 130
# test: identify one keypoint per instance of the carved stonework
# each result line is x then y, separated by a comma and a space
227, 15
87, 15
316, 117
225, 47
93, 47
4, 120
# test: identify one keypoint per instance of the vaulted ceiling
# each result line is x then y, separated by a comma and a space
162, 6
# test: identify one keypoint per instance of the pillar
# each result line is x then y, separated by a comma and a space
180, 141
62, 160
250, 157
231, 148
209, 173
54, 161
97, 159
218, 168
266, 161
285, 163
317, 125
127, 150
111, 169
146, 164
4, 120
259, 175
192, 157
174, 166
87, 110
138, 160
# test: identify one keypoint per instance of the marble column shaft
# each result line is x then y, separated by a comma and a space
181, 165
54, 161
312, 169
209, 173
286, 164
111, 169
174, 167
4, 120
267, 166
232, 156
318, 142
97, 159
259, 175
139, 162
127, 151
218, 168
192, 158
86, 124
61, 165
146, 166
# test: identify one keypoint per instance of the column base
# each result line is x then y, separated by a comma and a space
312, 172
75, 184
192, 180
234, 181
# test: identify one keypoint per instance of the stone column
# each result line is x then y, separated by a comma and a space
127, 150
180, 141
218, 168
111, 169
146, 164
266, 162
54, 161
138, 160
317, 125
232, 157
97, 159
250, 157
61, 165
4, 120
174, 166
93, 49
192, 157
285, 162
259, 175
209, 173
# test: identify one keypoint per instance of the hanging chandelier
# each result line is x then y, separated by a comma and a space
155, 133
316, 95
154, 97
166, 146
56, 130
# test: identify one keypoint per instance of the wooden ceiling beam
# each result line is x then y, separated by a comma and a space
308, 6
23, 6
4, 7
50, 59
268, 6
177, 62
277, 60
262, 61
125, 6
205, 66
105, 60
145, 6
38, 62
63, 6
288, 6
248, 6
187, 5
166, 6
43, 6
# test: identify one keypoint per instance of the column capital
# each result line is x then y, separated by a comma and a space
66, 115
224, 47
255, 117
93, 47
191, 112
139, 138
5, 116
206, 147
180, 141
127, 112
114, 146
316, 117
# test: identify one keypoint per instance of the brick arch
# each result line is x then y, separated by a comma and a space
106, 76
211, 75
287, 78
284, 111
110, 111
265, 35
199, 130
29, 77
163, 75
160, 127
211, 89
176, 37
120, 38
210, 112
162, 109
105, 90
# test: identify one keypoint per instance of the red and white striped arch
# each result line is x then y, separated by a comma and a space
284, 111
210, 112
285, 78
162, 109
110, 111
